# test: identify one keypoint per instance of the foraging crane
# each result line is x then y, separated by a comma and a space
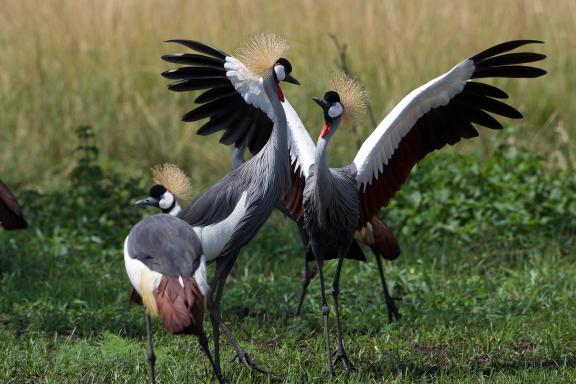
375, 234
338, 201
10, 212
164, 262
242, 97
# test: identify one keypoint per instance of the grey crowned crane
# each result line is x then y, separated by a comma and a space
336, 202
375, 234
165, 264
240, 94
11, 217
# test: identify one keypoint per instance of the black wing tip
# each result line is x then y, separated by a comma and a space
180, 41
176, 87
191, 116
171, 57
503, 47
201, 132
168, 73
199, 46
522, 42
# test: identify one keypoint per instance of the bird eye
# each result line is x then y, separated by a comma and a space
280, 72
335, 110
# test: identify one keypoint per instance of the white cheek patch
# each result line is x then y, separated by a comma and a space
280, 72
335, 110
166, 201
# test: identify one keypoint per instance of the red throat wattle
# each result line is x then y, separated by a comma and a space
325, 130
279, 92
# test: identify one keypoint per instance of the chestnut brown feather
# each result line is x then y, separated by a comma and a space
181, 308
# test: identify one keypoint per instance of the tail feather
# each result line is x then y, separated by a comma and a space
380, 238
354, 253
181, 308
385, 242
135, 297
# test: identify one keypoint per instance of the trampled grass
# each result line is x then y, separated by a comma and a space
69, 63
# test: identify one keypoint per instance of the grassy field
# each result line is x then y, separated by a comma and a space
486, 282
486, 277
67, 63
488, 315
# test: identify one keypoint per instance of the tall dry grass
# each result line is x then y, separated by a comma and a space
70, 63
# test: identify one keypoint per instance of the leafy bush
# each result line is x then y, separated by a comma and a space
95, 204
66, 273
507, 198
67, 270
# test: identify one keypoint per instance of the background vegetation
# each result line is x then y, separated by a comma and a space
70, 63
486, 277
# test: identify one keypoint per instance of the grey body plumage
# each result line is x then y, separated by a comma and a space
331, 207
165, 244
217, 202
164, 261
243, 100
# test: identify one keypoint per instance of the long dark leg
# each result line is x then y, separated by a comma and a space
211, 306
305, 282
340, 352
308, 255
393, 312
245, 359
204, 346
151, 358
319, 256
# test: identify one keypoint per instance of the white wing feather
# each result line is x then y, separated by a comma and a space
379, 147
249, 86
300, 144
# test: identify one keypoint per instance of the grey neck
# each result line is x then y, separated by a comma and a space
320, 160
323, 177
279, 134
275, 152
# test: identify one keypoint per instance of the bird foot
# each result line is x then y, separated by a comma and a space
341, 357
393, 313
249, 363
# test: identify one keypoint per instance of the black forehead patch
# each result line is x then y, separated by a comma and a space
285, 63
157, 191
332, 97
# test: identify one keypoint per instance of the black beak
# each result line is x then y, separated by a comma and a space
148, 201
321, 102
290, 79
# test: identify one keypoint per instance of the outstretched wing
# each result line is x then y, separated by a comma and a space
10, 213
302, 151
438, 113
233, 99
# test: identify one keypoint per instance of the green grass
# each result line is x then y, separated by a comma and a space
467, 316
486, 274
477, 305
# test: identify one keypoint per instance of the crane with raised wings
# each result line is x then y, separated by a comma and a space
336, 202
